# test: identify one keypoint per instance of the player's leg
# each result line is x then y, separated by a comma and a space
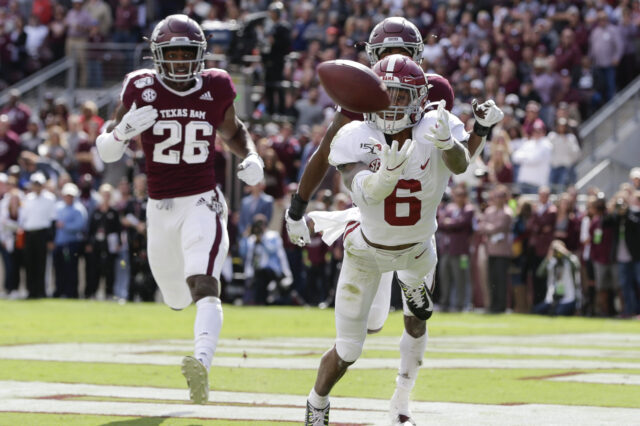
380, 307
356, 288
413, 343
205, 244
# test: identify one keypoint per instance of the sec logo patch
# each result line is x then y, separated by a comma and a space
149, 95
374, 165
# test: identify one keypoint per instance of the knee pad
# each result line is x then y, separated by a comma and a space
349, 350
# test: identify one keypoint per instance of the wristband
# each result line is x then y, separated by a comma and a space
481, 130
298, 206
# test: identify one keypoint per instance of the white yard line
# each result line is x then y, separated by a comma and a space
18, 397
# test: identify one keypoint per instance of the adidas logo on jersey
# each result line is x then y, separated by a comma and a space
206, 96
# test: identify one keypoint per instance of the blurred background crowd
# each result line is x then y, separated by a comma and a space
514, 234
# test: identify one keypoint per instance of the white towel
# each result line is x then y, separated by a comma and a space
332, 224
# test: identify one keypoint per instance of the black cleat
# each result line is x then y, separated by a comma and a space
418, 300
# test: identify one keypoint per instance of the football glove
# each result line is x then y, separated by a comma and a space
487, 114
251, 169
440, 134
134, 122
297, 230
394, 161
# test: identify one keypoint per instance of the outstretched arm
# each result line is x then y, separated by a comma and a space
236, 137
311, 177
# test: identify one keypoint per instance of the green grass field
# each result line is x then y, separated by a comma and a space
495, 360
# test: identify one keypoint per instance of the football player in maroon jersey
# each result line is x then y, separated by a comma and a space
178, 108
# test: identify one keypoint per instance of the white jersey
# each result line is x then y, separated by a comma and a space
408, 214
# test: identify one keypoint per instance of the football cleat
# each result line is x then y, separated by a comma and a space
197, 379
418, 300
315, 416
399, 410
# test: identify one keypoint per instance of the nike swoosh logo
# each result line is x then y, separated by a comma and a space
424, 166
423, 251
399, 165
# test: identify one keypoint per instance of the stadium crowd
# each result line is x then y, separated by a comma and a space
548, 65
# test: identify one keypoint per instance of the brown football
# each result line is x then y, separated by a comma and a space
353, 86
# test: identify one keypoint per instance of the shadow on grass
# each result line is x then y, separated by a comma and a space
143, 421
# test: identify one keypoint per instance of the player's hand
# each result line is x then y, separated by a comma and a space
393, 161
487, 114
440, 134
297, 230
251, 169
135, 121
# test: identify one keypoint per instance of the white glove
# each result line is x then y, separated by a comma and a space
440, 134
297, 230
251, 169
394, 161
487, 114
135, 121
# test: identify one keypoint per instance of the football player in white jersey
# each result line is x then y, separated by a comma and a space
393, 35
396, 165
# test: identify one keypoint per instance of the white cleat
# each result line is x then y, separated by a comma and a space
399, 410
197, 379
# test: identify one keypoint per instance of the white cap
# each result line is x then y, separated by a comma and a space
635, 173
4, 178
70, 189
38, 178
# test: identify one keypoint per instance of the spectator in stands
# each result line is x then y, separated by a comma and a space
125, 25
274, 174
565, 152
601, 238
78, 22
634, 177
532, 117
37, 33
499, 165
90, 115
95, 57
568, 55
102, 245
456, 227
71, 222
57, 32
541, 228
9, 144
17, 112
287, 147
534, 160
265, 264
12, 236
257, 202
310, 111
495, 224
628, 66
43, 10
142, 285
627, 251
567, 225
32, 138
275, 46
36, 218
100, 11
562, 271
606, 48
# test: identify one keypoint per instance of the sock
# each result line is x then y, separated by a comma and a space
411, 354
318, 401
206, 329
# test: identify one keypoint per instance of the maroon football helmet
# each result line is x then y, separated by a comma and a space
407, 88
394, 32
439, 88
178, 31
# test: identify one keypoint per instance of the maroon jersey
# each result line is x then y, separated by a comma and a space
179, 147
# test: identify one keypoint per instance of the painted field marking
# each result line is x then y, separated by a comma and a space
305, 353
601, 378
42, 397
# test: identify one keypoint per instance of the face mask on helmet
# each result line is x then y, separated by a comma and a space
394, 32
174, 34
407, 90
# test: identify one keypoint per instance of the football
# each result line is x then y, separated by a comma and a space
353, 86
